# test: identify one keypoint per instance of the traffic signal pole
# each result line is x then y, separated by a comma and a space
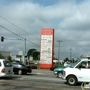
23, 39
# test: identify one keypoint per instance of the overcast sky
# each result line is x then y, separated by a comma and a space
25, 19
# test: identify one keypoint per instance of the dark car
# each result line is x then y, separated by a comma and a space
20, 68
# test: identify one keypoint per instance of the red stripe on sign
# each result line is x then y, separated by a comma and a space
45, 66
47, 32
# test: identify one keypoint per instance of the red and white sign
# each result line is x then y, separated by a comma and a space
47, 48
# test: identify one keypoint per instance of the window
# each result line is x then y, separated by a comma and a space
0, 64
88, 64
82, 64
7, 64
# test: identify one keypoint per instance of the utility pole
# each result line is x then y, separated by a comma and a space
25, 60
58, 50
70, 54
25, 46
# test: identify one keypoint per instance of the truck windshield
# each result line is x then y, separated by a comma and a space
74, 64
69, 65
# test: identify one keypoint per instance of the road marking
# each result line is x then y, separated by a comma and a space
40, 73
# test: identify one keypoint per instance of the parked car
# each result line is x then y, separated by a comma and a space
20, 68
6, 68
59, 71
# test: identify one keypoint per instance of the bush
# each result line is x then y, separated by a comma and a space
34, 67
52, 68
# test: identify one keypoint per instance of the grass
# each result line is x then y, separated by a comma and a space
56, 66
59, 65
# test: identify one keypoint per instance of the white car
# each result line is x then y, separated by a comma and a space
6, 68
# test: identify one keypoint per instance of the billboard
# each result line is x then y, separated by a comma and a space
47, 48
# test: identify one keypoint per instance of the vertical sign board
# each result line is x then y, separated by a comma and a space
47, 48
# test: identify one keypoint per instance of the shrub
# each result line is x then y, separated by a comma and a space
52, 68
34, 67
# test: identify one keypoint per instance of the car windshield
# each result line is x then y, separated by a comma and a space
18, 63
22, 64
7, 64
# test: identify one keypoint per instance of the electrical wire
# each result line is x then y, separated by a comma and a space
17, 34
17, 26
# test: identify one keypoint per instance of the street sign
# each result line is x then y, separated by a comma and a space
20, 39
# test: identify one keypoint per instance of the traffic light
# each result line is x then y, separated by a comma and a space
25, 56
2, 39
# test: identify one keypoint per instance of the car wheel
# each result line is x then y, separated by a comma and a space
59, 74
71, 80
19, 72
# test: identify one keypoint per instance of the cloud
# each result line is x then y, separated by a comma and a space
69, 19
79, 18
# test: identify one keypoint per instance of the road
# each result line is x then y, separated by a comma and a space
37, 80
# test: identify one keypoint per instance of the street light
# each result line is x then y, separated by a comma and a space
58, 50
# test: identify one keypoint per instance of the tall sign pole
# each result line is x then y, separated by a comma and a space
47, 48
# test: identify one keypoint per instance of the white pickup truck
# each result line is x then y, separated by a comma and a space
77, 72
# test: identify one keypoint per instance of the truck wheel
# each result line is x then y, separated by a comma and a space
59, 74
71, 80
19, 72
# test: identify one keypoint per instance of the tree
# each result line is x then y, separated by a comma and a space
66, 59
9, 58
31, 52
36, 55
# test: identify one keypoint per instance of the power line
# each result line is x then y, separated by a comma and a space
75, 40
17, 34
11, 31
16, 26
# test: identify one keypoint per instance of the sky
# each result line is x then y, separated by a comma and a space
25, 19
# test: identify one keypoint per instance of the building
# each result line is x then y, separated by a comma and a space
4, 54
58, 61
85, 56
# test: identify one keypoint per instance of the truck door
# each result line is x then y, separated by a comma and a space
83, 73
